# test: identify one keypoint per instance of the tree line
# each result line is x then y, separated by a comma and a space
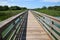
51, 8
3, 8
55, 8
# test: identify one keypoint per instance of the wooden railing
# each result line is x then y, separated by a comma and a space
50, 24
11, 27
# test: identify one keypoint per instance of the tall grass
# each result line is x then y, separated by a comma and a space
6, 14
50, 12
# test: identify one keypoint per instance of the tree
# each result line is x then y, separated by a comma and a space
44, 7
1, 8
54, 8
23, 8
6, 8
50, 8
15, 8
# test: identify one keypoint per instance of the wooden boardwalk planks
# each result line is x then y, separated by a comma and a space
35, 30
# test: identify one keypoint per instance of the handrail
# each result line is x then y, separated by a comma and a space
48, 16
10, 26
7, 21
53, 19
53, 29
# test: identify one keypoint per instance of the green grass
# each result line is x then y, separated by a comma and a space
50, 12
6, 14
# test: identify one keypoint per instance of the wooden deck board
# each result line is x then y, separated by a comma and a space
35, 30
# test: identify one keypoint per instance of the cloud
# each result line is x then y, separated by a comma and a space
3, 2
7, 3
51, 0
21, 0
29, 0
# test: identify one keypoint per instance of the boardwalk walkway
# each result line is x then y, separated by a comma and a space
35, 30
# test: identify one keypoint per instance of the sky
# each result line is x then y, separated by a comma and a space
30, 3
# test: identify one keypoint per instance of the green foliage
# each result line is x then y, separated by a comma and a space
6, 14
57, 8
15, 8
54, 8
6, 11
50, 12
1, 8
4, 8
44, 7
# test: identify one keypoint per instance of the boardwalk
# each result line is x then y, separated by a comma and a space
30, 25
35, 30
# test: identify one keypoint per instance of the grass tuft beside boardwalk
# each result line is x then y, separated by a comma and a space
6, 14
50, 12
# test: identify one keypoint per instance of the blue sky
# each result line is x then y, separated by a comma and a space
30, 3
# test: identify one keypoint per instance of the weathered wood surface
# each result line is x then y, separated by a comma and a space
35, 30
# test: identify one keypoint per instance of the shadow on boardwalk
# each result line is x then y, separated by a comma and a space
24, 28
